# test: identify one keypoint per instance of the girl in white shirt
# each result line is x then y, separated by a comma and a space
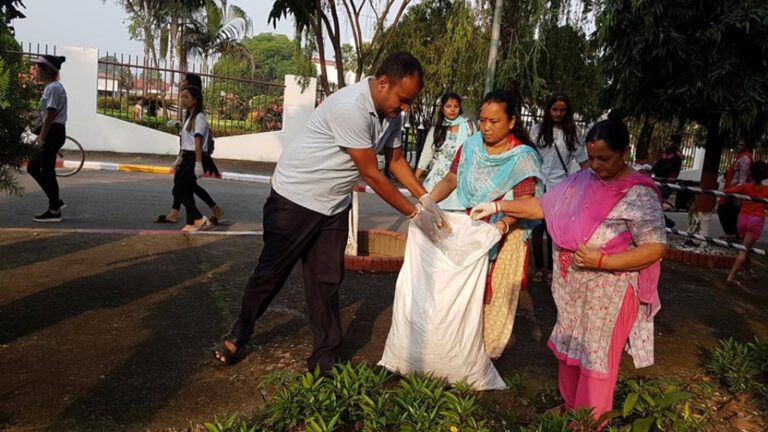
193, 137
50, 138
559, 143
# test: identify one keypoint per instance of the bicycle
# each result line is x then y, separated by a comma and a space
74, 160
69, 159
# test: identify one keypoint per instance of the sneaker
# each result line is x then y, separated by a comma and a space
62, 206
47, 217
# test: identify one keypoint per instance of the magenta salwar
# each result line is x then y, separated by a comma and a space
600, 313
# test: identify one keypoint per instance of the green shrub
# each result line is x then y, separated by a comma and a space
361, 398
570, 421
738, 365
654, 405
232, 424
108, 102
16, 98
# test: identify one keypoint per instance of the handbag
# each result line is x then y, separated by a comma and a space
36, 119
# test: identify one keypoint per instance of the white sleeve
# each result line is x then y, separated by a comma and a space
427, 151
201, 126
580, 155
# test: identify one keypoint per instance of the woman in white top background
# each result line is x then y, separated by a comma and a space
193, 136
51, 137
560, 144
448, 134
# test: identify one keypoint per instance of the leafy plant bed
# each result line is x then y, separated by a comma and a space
731, 396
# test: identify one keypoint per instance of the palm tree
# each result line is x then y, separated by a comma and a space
218, 30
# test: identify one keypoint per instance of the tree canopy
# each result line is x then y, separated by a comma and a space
706, 62
274, 56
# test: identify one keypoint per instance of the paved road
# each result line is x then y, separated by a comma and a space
123, 200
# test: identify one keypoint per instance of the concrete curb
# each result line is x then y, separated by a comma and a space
225, 175
154, 169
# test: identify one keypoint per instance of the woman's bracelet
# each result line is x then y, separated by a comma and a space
496, 207
414, 212
600, 261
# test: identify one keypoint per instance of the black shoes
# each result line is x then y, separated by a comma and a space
48, 217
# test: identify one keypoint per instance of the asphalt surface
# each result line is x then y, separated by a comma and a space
112, 330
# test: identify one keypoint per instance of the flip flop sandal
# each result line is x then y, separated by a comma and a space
223, 355
537, 275
164, 219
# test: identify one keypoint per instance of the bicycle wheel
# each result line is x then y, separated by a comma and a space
70, 158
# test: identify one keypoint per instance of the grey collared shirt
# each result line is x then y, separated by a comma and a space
315, 170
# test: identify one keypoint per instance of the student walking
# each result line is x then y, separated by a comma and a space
51, 136
193, 134
209, 168
306, 214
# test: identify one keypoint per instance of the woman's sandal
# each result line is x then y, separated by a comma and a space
164, 219
223, 355
537, 275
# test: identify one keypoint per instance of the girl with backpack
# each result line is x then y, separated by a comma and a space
193, 136
209, 167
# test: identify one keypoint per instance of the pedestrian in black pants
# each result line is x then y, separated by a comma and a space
209, 167
306, 214
193, 134
51, 136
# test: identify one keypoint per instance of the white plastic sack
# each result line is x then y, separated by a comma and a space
437, 316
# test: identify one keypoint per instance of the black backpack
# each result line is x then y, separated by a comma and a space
211, 142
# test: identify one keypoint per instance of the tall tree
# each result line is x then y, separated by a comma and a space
444, 36
219, 30
322, 18
273, 58
708, 62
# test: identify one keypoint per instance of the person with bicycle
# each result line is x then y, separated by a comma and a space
51, 135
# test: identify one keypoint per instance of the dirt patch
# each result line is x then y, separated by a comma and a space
114, 333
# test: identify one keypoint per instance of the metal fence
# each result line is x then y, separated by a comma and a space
133, 91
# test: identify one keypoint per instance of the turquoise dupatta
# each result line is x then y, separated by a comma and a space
483, 177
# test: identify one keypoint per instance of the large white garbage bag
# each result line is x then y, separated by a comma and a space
437, 316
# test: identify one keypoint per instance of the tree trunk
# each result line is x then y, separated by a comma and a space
643, 146
711, 166
495, 32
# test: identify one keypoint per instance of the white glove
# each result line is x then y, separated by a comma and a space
483, 210
176, 163
431, 206
199, 169
427, 222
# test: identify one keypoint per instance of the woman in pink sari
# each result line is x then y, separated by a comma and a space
608, 228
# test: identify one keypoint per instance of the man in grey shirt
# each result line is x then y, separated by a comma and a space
306, 214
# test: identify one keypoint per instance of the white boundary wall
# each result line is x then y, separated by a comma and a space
97, 132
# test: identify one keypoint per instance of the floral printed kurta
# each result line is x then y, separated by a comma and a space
588, 301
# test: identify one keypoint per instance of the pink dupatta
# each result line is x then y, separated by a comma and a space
575, 208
